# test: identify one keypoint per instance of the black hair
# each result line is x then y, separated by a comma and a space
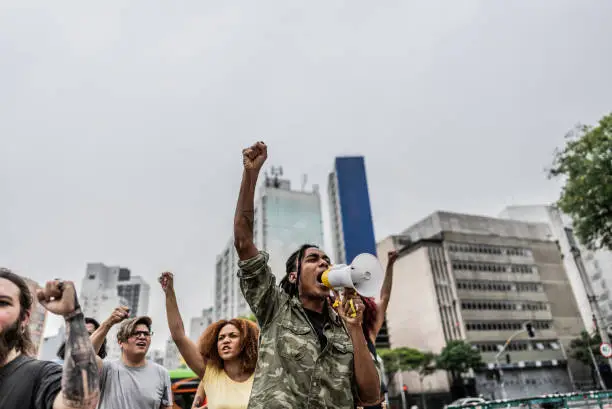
61, 352
24, 342
295, 259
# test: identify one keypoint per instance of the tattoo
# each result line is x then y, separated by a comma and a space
81, 379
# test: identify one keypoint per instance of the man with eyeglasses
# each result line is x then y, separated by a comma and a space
131, 382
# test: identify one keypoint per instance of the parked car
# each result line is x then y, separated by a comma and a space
473, 401
184, 387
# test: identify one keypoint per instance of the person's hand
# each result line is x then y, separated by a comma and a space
391, 257
166, 280
119, 314
198, 403
351, 308
58, 297
254, 157
334, 300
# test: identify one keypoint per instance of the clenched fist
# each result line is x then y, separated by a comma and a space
166, 280
58, 297
254, 157
118, 315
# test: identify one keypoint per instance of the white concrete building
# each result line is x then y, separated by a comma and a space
284, 220
199, 324
106, 287
598, 265
135, 291
50, 345
172, 359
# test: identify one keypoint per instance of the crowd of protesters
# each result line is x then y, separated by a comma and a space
310, 348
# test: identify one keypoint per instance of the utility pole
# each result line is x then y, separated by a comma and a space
528, 328
597, 321
401, 380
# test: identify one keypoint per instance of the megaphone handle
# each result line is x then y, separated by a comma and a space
354, 313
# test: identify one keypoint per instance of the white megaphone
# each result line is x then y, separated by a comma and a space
364, 275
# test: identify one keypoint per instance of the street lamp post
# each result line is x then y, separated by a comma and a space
526, 328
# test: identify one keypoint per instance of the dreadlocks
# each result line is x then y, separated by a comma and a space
294, 263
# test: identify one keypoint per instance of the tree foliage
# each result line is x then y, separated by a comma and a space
402, 359
457, 357
586, 165
579, 348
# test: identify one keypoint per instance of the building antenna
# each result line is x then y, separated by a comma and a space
304, 181
276, 172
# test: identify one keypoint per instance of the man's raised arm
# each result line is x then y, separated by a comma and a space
80, 379
257, 282
253, 159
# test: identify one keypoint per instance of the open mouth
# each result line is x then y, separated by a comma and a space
320, 277
141, 344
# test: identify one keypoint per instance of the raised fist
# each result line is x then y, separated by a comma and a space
119, 314
392, 257
166, 279
58, 297
254, 157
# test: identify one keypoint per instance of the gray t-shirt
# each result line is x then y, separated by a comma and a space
126, 387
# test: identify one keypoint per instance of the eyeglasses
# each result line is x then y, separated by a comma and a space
145, 334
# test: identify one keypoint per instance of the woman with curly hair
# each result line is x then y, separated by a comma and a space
230, 351
224, 358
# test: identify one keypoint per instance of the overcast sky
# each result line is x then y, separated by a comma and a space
122, 122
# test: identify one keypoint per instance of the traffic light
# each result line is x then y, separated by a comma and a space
529, 329
508, 359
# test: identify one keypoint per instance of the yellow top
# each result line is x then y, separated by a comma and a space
224, 393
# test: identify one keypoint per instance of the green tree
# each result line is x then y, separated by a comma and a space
579, 348
458, 357
409, 359
401, 359
585, 163
250, 317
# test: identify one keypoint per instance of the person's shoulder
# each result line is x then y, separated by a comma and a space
157, 367
39, 369
42, 364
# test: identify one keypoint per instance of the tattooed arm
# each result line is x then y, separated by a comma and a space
253, 159
80, 378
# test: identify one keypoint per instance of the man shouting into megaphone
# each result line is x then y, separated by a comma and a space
309, 355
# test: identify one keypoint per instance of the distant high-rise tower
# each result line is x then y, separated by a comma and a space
350, 211
105, 288
199, 324
284, 220
135, 291
351, 217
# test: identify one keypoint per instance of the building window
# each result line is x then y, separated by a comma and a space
491, 267
488, 249
503, 305
503, 325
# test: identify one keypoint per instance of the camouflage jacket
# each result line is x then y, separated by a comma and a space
292, 372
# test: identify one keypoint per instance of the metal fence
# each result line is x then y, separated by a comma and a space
578, 400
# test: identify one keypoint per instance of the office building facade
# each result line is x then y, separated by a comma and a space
105, 288
199, 324
284, 220
481, 279
135, 291
596, 279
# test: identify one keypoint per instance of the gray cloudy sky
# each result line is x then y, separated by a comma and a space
122, 122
